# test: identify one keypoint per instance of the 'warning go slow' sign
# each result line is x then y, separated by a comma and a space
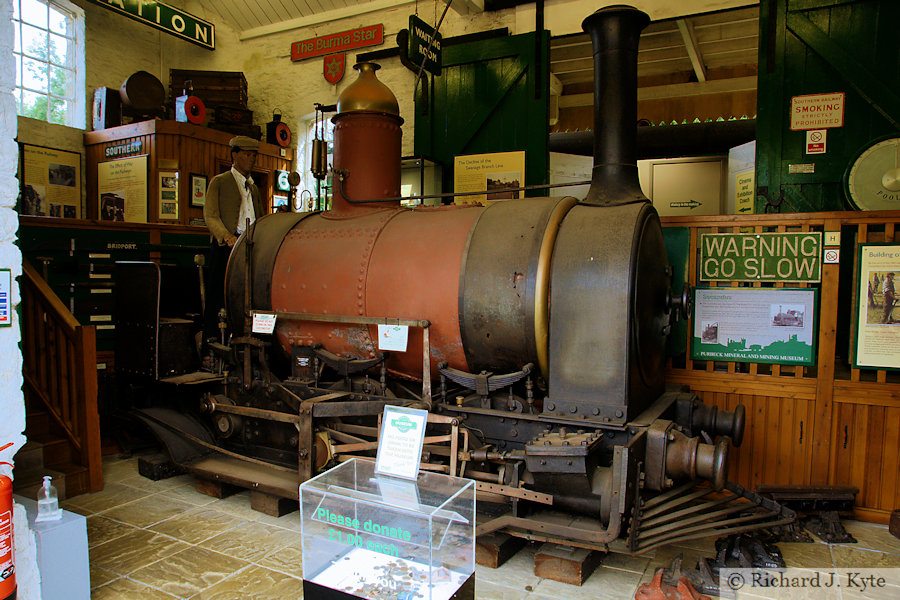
795, 257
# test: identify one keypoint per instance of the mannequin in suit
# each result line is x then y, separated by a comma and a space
231, 199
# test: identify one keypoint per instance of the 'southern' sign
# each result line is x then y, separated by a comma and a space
793, 256
166, 18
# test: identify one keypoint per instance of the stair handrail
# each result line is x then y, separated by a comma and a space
63, 378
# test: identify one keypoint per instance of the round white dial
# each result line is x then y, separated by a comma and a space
873, 180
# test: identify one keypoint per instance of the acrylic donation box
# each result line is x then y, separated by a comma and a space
374, 536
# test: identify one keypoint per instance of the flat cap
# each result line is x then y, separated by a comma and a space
243, 142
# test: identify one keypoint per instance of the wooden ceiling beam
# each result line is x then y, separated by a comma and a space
690, 44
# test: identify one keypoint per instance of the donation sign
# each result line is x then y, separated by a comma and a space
400, 443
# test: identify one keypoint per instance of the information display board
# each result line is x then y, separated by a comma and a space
122, 186
877, 320
51, 182
498, 173
762, 325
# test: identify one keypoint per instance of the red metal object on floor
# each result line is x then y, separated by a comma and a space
657, 590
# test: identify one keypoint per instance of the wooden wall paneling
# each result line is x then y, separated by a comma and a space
196, 149
862, 231
156, 145
784, 430
740, 457
890, 483
839, 466
857, 446
806, 426
774, 450
873, 465
759, 440
825, 361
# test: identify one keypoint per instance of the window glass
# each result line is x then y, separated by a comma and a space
35, 12
59, 22
317, 193
49, 56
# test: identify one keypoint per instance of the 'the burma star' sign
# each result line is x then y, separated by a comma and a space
372, 35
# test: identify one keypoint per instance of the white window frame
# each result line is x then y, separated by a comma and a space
76, 103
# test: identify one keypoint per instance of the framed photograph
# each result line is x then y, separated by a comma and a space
761, 325
877, 313
168, 195
198, 189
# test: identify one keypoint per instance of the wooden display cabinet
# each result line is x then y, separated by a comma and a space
173, 146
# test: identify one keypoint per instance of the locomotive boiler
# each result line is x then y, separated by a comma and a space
535, 329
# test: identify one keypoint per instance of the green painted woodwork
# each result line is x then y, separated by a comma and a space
819, 47
79, 265
486, 100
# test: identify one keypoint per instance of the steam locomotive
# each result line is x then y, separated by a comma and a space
535, 337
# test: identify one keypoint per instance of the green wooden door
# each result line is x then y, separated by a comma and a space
487, 99
822, 47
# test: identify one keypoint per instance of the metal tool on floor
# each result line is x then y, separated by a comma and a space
819, 510
744, 551
657, 590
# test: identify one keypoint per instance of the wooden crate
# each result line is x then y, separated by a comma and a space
215, 88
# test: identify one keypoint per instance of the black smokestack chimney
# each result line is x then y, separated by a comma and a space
615, 32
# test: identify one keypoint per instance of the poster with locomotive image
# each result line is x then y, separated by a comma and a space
878, 316
51, 182
122, 186
761, 325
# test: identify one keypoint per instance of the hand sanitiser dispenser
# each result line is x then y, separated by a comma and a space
48, 502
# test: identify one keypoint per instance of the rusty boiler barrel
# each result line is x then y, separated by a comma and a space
478, 275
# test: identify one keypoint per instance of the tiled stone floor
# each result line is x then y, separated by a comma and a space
163, 540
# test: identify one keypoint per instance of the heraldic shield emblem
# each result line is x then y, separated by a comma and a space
334, 67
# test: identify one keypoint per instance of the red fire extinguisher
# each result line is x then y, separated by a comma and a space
7, 545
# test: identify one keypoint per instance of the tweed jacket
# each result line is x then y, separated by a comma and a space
223, 205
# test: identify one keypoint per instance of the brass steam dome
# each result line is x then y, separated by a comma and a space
367, 93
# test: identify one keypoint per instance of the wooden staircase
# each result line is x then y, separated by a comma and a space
60, 371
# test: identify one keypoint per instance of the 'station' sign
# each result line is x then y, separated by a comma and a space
793, 257
424, 43
160, 15
372, 35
